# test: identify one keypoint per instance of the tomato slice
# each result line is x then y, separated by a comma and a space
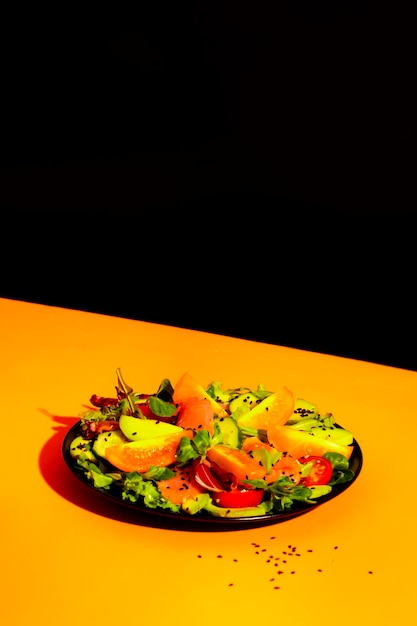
238, 498
321, 471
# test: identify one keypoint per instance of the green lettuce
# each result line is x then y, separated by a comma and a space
136, 487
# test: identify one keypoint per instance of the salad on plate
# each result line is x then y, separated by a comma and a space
211, 451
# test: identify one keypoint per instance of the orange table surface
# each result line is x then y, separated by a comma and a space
68, 556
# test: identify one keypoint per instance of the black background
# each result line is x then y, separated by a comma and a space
241, 168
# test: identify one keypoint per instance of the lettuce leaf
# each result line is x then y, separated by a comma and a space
137, 488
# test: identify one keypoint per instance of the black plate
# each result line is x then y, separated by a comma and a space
202, 519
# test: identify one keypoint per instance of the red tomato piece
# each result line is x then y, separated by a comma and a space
321, 471
238, 498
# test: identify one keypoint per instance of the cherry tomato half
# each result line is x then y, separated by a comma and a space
321, 471
237, 498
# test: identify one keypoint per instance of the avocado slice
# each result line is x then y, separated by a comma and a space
136, 428
303, 410
106, 439
79, 445
244, 400
230, 431
333, 433
219, 511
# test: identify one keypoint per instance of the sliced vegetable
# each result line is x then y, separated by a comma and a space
333, 433
187, 387
299, 443
238, 498
136, 428
236, 462
139, 456
303, 410
230, 432
205, 477
274, 409
81, 446
246, 401
234, 512
276, 463
196, 414
106, 439
319, 470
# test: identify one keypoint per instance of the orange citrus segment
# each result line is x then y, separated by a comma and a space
139, 456
236, 462
187, 387
197, 414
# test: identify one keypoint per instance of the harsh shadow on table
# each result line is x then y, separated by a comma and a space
58, 476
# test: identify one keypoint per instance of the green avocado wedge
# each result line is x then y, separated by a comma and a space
79, 446
339, 435
136, 428
105, 440
303, 410
218, 511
